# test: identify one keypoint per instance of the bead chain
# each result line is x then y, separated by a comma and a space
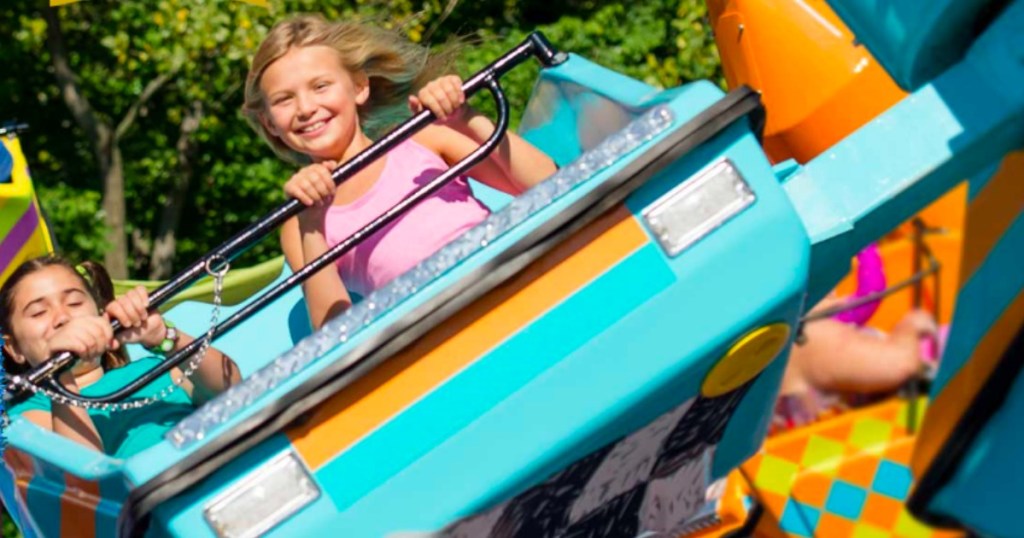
193, 364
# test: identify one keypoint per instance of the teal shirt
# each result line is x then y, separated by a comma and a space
125, 433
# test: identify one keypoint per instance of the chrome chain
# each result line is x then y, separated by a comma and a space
193, 364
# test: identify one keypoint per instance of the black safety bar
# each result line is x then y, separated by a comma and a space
535, 45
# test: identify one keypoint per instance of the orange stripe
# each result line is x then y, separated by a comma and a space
991, 213
23, 468
353, 413
946, 409
78, 507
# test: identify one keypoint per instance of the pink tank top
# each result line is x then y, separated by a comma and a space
417, 234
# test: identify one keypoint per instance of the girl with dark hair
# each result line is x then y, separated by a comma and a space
48, 306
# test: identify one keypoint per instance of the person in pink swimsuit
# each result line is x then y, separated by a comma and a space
313, 92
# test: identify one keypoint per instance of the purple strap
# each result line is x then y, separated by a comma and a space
870, 279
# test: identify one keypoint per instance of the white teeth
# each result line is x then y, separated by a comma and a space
315, 126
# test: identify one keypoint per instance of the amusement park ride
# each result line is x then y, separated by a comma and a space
602, 355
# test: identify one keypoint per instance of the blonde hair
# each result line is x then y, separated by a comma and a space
394, 66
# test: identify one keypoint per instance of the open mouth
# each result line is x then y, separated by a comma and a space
313, 128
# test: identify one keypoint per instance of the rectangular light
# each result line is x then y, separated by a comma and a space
265, 497
698, 206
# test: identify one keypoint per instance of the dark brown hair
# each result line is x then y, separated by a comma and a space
96, 281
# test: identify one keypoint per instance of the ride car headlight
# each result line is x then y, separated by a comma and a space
265, 497
696, 207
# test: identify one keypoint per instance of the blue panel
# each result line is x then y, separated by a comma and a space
914, 40
892, 479
799, 519
43, 498
846, 500
6, 164
984, 492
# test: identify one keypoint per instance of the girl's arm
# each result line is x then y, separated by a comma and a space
841, 357
514, 166
215, 373
303, 240
325, 293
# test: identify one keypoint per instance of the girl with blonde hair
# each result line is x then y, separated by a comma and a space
317, 92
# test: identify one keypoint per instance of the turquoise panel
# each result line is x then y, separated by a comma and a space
892, 479
846, 499
984, 492
914, 40
800, 519
43, 498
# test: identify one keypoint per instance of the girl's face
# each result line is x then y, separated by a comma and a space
43, 302
311, 102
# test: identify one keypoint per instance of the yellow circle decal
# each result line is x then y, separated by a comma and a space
745, 359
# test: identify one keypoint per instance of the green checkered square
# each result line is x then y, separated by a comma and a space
776, 475
871, 435
822, 455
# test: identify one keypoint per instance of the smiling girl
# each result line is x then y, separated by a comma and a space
311, 91
48, 306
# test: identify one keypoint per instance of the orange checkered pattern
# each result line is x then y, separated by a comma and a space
847, 476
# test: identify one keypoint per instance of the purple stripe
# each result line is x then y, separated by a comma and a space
20, 232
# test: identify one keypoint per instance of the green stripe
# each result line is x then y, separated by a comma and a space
10, 211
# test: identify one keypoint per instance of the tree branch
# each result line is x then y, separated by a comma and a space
76, 102
133, 111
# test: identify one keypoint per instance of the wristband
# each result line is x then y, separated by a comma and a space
167, 344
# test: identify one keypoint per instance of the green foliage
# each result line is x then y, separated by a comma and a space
8, 528
118, 48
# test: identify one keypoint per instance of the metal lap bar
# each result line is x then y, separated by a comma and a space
534, 45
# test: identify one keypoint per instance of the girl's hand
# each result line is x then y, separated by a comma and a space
86, 337
915, 326
442, 96
313, 187
138, 324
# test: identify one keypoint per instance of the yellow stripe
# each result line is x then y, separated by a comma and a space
356, 411
949, 405
991, 213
